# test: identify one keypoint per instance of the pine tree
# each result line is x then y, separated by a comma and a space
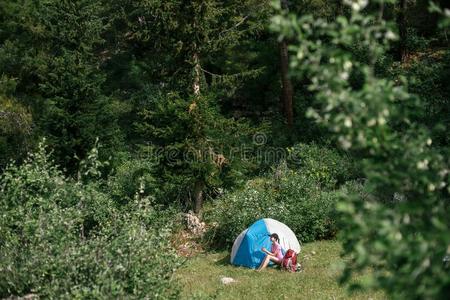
54, 49
15, 124
184, 36
287, 89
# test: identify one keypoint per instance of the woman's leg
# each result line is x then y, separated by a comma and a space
266, 261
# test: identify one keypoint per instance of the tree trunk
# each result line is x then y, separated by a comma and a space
198, 195
402, 30
197, 74
287, 90
199, 183
340, 8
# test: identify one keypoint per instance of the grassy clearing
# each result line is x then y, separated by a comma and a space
201, 276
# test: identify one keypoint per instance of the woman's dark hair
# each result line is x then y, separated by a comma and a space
274, 235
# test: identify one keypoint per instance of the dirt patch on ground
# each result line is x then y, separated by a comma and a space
186, 244
187, 241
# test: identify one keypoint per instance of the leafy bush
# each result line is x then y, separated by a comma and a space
62, 238
15, 123
309, 210
326, 166
428, 76
405, 241
415, 42
130, 176
294, 199
235, 211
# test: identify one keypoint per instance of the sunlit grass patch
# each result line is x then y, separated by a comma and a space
201, 278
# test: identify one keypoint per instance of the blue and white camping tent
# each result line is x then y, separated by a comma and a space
246, 249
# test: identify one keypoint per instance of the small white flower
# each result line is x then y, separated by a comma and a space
431, 187
344, 76
345, 143
406, 219
348, 122
363, 3
356, 5
443, 172
381, 120
422, 165
371, 122
347, 65
429, 141
361, 138
390, 35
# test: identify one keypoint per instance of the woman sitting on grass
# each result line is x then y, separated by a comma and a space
274, 255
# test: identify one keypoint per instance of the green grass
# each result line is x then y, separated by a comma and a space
200, 278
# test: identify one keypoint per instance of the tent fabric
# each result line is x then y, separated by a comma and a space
246, 249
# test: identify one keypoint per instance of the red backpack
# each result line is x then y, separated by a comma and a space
289, 261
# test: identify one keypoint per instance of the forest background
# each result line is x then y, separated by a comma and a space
119, 116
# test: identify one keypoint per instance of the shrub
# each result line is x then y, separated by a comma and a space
405, 243
309, 210
15, 123
236, 210
294, 199
62, 238
428, 75
325, 165
416, 42
130, 176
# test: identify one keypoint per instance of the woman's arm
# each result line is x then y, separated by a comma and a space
267, 251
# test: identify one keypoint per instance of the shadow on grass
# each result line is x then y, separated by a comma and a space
225, 261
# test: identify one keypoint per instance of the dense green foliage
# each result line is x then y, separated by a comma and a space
197, 147
50, 49
15, 123
403, 231
302, 196
68, 239
325, 166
